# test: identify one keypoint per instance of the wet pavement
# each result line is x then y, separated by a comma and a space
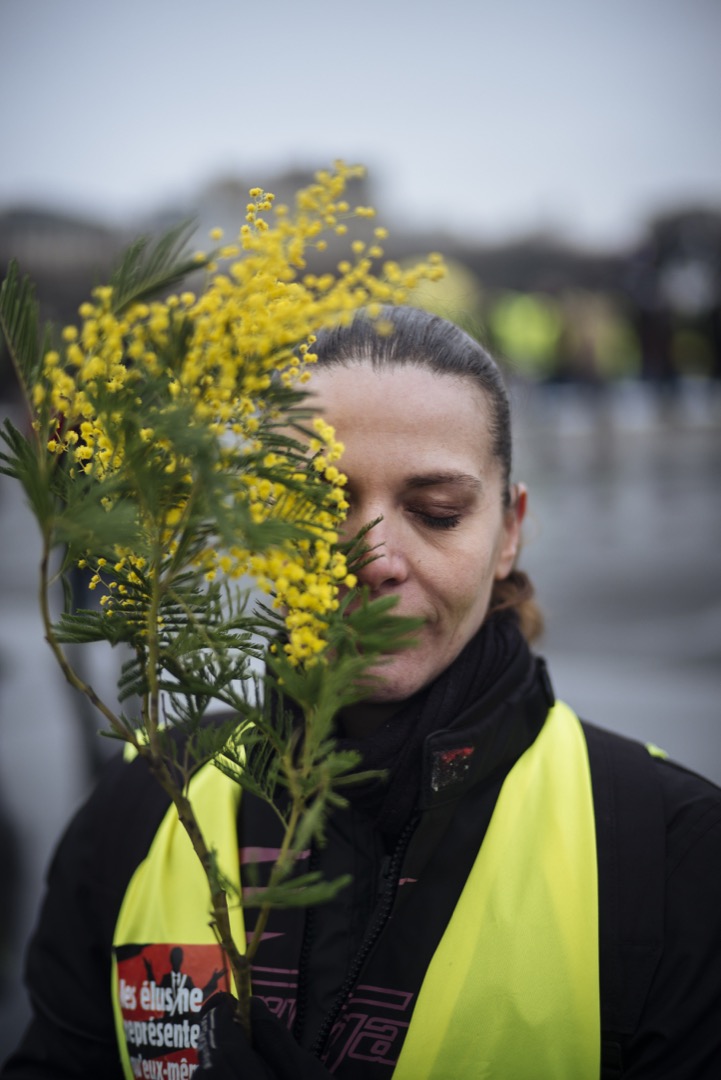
623, 543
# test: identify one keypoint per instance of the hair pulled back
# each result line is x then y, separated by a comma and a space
407, 336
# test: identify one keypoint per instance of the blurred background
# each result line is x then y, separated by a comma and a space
564, 157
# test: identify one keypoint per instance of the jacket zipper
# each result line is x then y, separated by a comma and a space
391, 872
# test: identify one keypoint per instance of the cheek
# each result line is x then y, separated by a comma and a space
463, 584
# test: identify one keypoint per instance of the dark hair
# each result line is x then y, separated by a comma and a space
398, 336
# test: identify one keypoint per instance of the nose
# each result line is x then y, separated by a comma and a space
387, 567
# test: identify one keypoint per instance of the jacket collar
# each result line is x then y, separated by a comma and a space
487, 739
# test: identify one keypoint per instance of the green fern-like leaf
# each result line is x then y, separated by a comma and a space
302, 891
23, 463
85, 626
20, 326
149, 268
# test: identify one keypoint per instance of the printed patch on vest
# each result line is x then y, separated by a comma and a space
161, 990
450, 767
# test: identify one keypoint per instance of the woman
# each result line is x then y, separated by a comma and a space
530, 897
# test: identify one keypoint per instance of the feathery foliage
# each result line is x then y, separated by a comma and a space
173, 462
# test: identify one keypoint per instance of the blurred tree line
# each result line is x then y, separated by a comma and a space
550, 311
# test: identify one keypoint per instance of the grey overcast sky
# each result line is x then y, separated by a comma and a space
488, 118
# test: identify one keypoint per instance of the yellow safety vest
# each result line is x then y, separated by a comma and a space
512, 991
164, 950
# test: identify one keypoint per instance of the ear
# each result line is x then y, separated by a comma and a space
511, 536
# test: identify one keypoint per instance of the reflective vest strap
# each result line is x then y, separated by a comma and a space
513, 988
168, 899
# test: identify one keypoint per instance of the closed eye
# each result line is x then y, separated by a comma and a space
437, 521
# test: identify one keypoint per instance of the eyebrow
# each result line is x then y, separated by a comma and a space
424, 480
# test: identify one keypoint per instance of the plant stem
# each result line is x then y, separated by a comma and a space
68, 671
239, 962
151, 668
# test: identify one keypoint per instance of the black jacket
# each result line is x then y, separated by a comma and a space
659, 843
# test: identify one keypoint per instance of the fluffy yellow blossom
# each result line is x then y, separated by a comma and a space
216, 361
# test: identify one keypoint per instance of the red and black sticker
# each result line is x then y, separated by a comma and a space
161, 990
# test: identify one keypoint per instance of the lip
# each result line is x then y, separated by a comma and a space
358, 601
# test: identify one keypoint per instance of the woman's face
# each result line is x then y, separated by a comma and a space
418, 455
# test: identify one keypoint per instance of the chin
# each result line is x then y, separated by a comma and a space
394, 681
